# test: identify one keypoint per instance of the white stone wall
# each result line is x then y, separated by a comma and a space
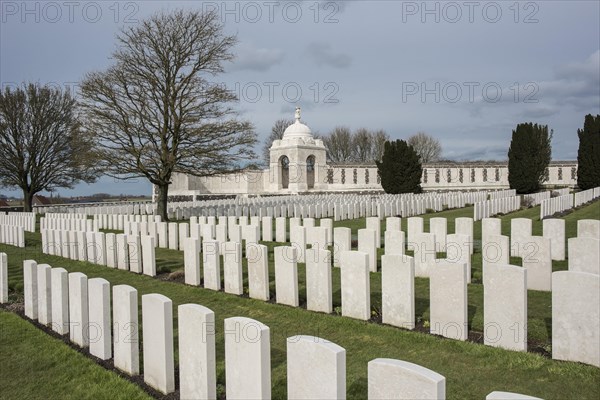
334, 178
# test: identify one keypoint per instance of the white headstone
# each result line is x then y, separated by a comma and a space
173, 236
448, 300
100, 241
318, 281
99, 318
30, 286
588, 228
44, 296
396, 379
191, 261
122, 252
367, 244
258, 271
157, 328
126, 329
247, 359
576, 317
394, 242
505, 307
554, 230
298, 240
355, 285
78, 309
267, 229
232, 267
495, 251
211, 264
398, 290
414, 227
393, 224
280, 230
60, 300
584, 255
148, 256
457, 251
342, 241
197, 359
286, 275
134, 247
538, 262
316, 369
424, 253
375, 224
111, 250
327, 223
184, 232
520, 231
438, 226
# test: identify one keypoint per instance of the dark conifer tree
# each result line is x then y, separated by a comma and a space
588, 156
528, 157
400, 168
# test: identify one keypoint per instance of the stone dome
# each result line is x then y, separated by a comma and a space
297, 129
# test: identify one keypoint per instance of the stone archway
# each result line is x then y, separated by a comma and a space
284, 165
310, 172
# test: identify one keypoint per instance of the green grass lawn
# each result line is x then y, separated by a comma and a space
34, 365
472, 370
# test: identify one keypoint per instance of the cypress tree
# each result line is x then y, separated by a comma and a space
588, 156
528, 157
400, 168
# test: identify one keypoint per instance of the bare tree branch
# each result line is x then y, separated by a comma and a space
42, 146
427, 147
156, 112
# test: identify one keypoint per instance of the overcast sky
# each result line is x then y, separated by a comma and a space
464, 72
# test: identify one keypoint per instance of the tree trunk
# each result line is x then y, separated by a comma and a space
27, 200
163, 191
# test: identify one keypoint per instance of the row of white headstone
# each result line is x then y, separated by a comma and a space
120, 221
486, 209
13, 235
127, 252
499, 194
288, 206
533, 199
58, 215
585, 196
567, 201
49, 221
583, 250
70, 303
120, 207
26, 220
556, 204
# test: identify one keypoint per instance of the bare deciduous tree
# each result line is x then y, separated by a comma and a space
156, 112
379, 138
363, 145
339, 144
41, 144
427, 147
276, 134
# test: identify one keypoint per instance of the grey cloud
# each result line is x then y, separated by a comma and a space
587, 70
323, 54
575, 84
249, 58
498, 153
539, 112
